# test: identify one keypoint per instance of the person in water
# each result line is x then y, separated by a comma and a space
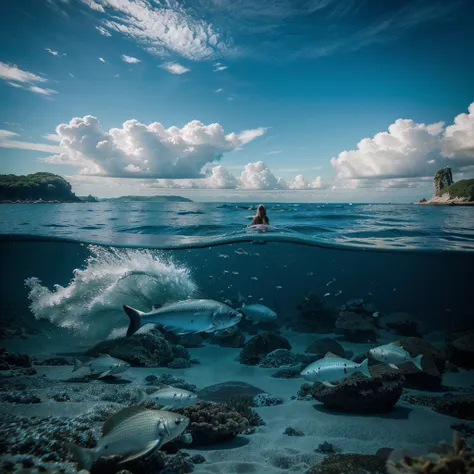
261, 216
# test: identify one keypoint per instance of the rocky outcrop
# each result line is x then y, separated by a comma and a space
223, 392
280, 358
359, 394
322, 346
259, 346
461, 350
457, 406
443, 178
356, 328
403, 324
13, 360
234, 337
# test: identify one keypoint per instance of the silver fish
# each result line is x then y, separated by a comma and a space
170, 397
393, 354
184, 317
333, 368
133, 432
257, 312
103, 365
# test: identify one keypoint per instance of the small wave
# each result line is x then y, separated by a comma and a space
188, 213
92, 302
54, 225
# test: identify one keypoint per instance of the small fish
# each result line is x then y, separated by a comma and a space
260, 299
376, 314
240, 298
256, 254
133, 432
333, 369
249, 296
338, 293
211, 277
225, 272
310, 274
257, 312
394, 290
241, 252
392, 354
184, 317
330, 282
222, 255
370, 294
327, 294
103, 365
235, 273
254, 278
278, 287
170, 397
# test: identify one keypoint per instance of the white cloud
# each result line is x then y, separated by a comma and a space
219, 67
103, 31
458, 144
55, 53
130, 59
102, 60
53, 137
145, 151
300, 182
8, 140
258, 176
72, 75
275, 152
16, 77
162, 28
219, 90
175, 68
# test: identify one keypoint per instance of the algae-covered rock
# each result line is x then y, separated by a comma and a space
350, 464
280, 358
259, 346
223, 392
461, 350
324, 345
356, 328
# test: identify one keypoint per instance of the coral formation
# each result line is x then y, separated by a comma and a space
266, 400
282, 358
242, 405
233, 337
179, 363
286, 374
289, 431
457, 406
223, 392
169, 379
259, 346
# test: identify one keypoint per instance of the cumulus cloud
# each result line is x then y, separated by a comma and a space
9, 139
55, 53
21, 79
300, 182
162, 28
175, 68
146, 151
219, 67
219, 90
409, 150
103, 31
130, 59
258, 176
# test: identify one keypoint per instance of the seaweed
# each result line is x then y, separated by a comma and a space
243, 406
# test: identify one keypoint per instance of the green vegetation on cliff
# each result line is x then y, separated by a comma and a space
461, 189
44, 186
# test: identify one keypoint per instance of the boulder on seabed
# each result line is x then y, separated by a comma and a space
259, 346
280, 358
403, 324
356, 328
223, 392
461, 350
233, 337
360, 394
324, 345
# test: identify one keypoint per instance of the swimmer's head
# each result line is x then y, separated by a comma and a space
261, 211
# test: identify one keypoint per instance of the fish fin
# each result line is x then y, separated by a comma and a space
105, 355
163, 428
104, 374
417, 361
364, 368
121, 417
149, 448
328, 384
396, 343
331, 354
135, 319
167, 407
85, 457
393, 366
161, 386
142, 396
77, 365
210, 329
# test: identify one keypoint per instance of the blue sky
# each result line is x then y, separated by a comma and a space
231, 99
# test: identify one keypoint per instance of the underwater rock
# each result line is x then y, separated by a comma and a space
20, 397
266, 400
280, 358
324, 345
234, 337
457, 406
461, 351
21, 464
179, 363
355, 328
350, 464
286, 374
54, 361
359, 394
289, 431
141, 350
169, 379
61, 397
180, 352
314, 315
433, 363
185, 340
259, 346
223, 392
358, 306
403, 324
12, 360
384, 453
212, 423
325, 448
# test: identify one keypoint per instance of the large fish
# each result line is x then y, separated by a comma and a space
333, 368
393, 354
184, 317
103, 365
170, 397
257, 312
133, 432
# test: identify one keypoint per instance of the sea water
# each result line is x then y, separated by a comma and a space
67, 270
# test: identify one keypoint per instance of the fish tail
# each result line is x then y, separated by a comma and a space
135, 319
417, 361
77, 365
142, 396
364, 368
85, 457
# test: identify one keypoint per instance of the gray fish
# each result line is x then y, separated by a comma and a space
184, 317
133, 432
333, 368
103, 365
393, 354
258, 312
170, 397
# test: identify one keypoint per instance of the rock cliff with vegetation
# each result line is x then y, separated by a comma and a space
37, 187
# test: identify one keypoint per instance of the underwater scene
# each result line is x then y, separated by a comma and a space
152, 338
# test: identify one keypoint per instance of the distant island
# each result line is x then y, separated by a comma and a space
35, 188
149, 199
449, 193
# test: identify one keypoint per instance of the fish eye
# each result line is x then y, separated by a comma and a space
178, 421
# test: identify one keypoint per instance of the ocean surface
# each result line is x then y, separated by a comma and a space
359, 275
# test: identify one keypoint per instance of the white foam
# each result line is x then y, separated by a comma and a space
92, 301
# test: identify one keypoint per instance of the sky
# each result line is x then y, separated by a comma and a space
233, 100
